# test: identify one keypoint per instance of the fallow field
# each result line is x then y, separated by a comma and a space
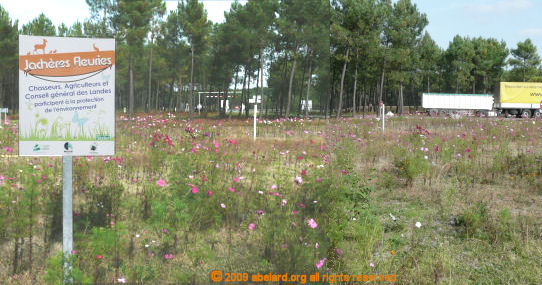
434, 200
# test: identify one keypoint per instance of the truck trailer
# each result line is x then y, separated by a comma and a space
446, 103
522, 99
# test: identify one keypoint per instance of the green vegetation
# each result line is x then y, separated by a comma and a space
431, 199
343, 55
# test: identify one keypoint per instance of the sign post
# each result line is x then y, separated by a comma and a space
67, 214
199, 104
255, 100
66, 108
382, 112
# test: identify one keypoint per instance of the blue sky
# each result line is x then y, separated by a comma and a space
508, 20
69, 11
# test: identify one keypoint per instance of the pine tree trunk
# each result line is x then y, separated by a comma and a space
150, 77
354, 94
234, 90
131, 98
308, 88
400, 102
180, 96
288, 102
157, 95
264, 102
342, 84
364, 100
245, 101
191, 99
302, 81
243, 93
381, 88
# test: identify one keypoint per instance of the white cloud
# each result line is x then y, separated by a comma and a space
500, 7
215, 8
532, 32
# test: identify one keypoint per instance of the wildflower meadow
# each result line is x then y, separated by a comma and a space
432, 200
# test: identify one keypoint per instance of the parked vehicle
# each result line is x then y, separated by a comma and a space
446, 104
522, 99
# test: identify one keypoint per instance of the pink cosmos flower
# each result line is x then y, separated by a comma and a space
320, 263
372, 264
284, 202
274, 186
210, 193
222, 205
168, 256
298, 180
312, 223
161, 183
231, 189
316, 245
251, 226
194, 190
260, 212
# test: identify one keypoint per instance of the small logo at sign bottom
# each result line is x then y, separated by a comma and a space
68, 147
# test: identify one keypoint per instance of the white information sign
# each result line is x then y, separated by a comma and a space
308, 106
66, 96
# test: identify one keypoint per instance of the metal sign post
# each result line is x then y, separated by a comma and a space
382, 112
255, 118
255, 100
67, 216
199, 104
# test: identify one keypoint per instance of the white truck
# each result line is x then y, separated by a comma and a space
446, 104
522, 99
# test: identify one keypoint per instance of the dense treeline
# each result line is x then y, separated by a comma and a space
343, 55
381, 52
